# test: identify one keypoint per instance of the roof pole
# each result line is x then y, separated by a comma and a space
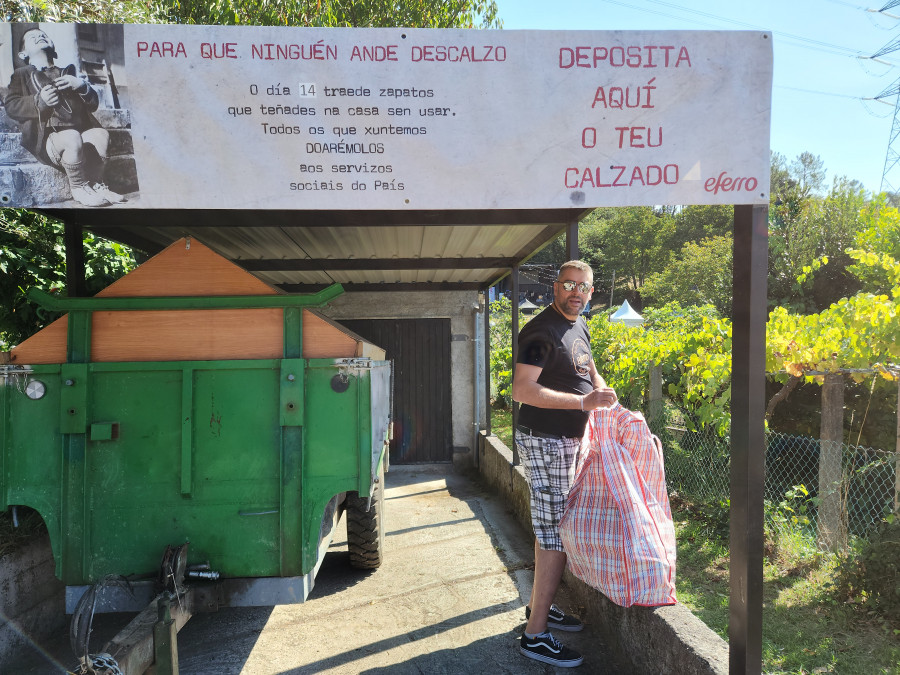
748, 357
515, 355
76, 286
572, 241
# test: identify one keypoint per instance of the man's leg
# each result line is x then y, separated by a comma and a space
547, 467
66, 150
99, 139
548, 571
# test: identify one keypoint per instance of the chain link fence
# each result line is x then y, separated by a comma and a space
824, 493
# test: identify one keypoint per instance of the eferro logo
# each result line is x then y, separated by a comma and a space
724, 183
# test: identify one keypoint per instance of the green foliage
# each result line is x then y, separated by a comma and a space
701, 273
876, 248
809, 170
793, 510
871, 573
693, 346
633, 241
32, 255
501, 351
805, 227
316, 13
862, 332
338, 13
84, 11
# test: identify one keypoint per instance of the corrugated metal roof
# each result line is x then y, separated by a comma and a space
298, 250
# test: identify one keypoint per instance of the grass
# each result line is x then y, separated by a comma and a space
501, 426
806, 630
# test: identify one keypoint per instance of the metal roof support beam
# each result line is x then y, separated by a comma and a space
76, 286
572, 252
515, 357
388, 286
748, 360
487, 362
355, 264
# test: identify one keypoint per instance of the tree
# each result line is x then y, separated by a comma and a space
879, 235
694, 223
32, 255
805, 228
338, 13
86, 11
700, 274
631, 241
809, 171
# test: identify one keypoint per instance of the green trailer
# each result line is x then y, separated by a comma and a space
250, 461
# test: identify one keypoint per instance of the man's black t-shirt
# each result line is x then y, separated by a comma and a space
562, 349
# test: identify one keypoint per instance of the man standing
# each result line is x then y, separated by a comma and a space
557, 384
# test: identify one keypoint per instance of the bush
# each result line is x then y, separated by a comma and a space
501, 353
872, 573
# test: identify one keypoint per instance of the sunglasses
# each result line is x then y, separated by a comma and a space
570, 286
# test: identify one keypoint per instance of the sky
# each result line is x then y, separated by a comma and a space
825, 83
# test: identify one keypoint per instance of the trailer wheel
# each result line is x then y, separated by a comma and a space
365, 529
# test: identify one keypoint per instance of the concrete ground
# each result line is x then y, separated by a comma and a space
449, 598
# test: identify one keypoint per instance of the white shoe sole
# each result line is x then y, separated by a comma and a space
571, 663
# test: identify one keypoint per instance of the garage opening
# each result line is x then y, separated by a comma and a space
420, 350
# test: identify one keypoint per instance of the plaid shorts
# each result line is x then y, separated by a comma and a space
549, 468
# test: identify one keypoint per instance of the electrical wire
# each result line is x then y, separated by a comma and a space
717, 20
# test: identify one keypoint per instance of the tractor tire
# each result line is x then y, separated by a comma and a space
365, 529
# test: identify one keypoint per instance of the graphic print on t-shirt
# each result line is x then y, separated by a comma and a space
581, 356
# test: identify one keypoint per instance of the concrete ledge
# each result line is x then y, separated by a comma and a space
32, 599
642, 639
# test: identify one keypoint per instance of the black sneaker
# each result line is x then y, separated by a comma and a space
559, 620
546, 648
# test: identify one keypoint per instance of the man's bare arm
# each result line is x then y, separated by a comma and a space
527, 390
596, 377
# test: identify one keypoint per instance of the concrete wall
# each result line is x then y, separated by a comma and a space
32, 599
643, 640
465, 312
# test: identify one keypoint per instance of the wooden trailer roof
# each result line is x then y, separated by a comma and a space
187, 268
304, 251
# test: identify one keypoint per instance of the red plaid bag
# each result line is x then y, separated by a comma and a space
617, 527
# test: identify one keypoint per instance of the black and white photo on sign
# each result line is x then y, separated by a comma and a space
65, 124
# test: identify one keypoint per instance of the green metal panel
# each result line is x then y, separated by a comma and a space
135, 484
32, 447
73, 398
364, 435
78, 345
187, 428
292, 385
291, 416
293, 332
331, 453
102, 431
74, 510
291, 506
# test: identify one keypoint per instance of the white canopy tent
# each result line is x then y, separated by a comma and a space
626, 314
527, 306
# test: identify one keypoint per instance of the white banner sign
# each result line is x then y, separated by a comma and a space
208, 117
